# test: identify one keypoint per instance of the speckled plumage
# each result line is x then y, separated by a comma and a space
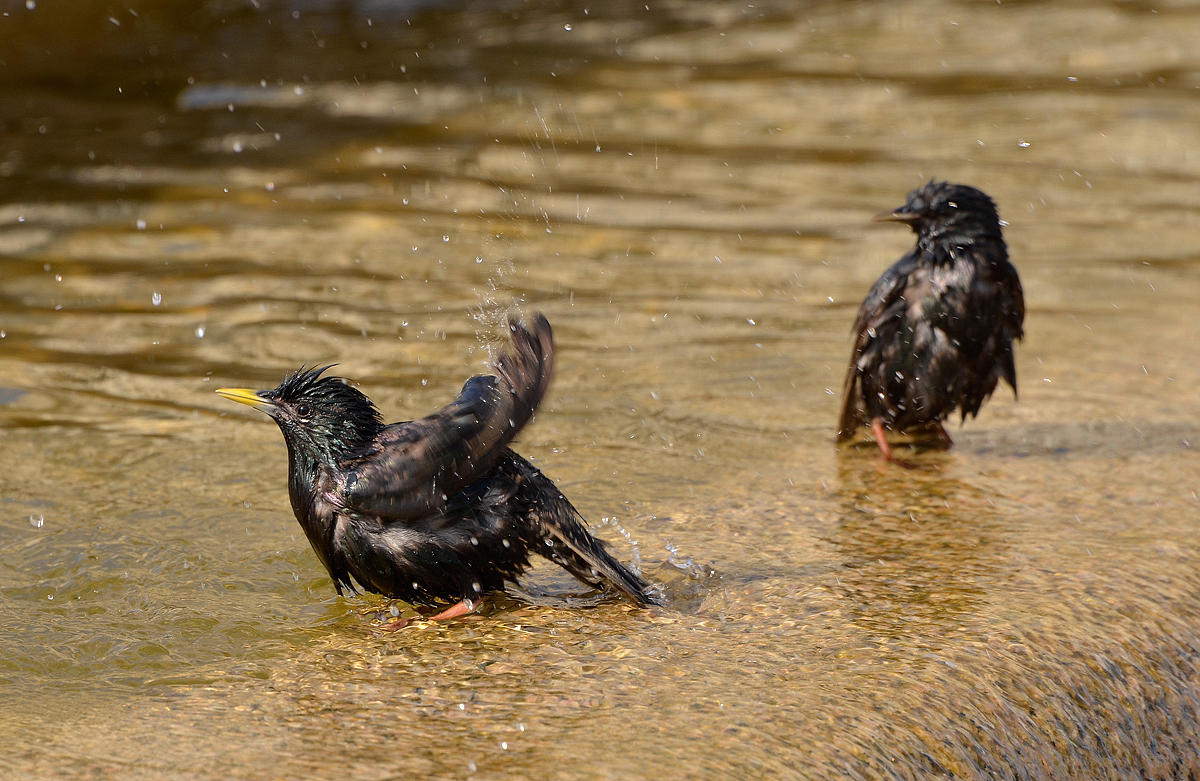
936, 332
437, 510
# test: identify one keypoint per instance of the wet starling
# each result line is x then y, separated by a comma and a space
936, 331
437, 511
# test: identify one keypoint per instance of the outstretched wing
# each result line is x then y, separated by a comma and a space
415, 468
879, 305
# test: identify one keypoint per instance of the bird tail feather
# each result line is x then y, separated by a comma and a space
568, 543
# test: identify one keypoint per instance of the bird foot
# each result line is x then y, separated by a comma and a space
943, 435
394, 626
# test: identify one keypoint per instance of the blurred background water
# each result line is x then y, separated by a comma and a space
195, 195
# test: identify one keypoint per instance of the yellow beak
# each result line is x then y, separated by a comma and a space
246, 396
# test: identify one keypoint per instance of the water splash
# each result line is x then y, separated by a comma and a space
687, 565
636, 563
492, 306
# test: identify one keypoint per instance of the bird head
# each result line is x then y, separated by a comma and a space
321, 417
950, 213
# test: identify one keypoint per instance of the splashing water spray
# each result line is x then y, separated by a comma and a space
614, 524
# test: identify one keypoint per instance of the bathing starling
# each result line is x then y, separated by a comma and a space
936, 331
437, 511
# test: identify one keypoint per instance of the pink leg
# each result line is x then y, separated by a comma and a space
461, 609
886, 449
941, 432
881, 438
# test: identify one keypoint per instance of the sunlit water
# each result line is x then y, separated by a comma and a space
213, 197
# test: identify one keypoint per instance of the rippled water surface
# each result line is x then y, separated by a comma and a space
201, 195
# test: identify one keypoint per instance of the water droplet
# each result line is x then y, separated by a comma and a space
270, 187
238, 147
478, 259
445, 238
37, 521
567, 27
30, 4
141, 225
200, 332
156, 299
424, 382
1022, 143
751, 322
395, 611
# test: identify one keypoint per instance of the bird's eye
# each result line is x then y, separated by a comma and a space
303, 409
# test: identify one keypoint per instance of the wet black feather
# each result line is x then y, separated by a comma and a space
436, 510
936, 332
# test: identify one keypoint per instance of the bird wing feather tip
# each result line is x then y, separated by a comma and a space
848, 417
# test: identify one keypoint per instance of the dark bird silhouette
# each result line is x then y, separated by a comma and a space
936, 331
434, 511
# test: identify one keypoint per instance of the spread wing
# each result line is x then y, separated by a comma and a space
884, 302
415, 468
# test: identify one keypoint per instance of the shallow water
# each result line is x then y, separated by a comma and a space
195, 199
